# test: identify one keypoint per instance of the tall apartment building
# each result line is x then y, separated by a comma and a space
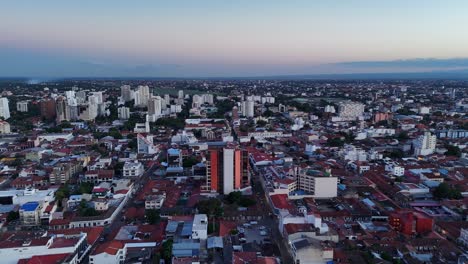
425, 144
126, 93
123, 113
155, 106
248, 108
227, 170
142, 95
62, 110
4, 108
47, 108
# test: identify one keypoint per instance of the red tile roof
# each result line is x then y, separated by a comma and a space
280, 201
225, 227
46, 259
110, 248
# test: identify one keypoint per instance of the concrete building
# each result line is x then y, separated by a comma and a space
200, 227
154, 108
47, 108
311, 251
4, 108
4, 127
62, 110
22, 106
248, 108
57, 248
30, 213
133, 169
142, 95
425, 144
227, 170
109, 253
126, 93
317, 183
155, 201
145, 145
350, 110
123, 113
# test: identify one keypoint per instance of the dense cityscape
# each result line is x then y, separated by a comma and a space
233, 171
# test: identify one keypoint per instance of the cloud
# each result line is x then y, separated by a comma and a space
409, 63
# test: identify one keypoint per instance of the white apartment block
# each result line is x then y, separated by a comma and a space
4, 108
22, 106
123, 113
425, 144
200, 227
317, 184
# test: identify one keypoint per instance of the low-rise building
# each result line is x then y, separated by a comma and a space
133, 169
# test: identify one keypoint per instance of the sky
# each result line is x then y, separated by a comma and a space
217, 38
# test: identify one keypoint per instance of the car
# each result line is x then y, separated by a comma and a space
241, 235
242, 240
246, 225
262, 228
253, 222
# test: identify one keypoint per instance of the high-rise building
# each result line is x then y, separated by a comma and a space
22, 106
425, 144
126, 93
123, 113
227, 170
62, 110
235, 113
155, 106
4, 108
248, 108
93, 107
80, 97
47, 108
180, 94
142, 95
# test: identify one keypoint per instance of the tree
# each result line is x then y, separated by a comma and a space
188, 162
403, 135
85, 187
261, 123
453, 151
211, 207
246, 202
445, 191
85, 210
234, 197
152, 216
239, 199
335, 142
61, 193
115, 133
12, 216
166, 250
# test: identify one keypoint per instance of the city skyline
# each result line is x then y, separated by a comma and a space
216, 39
